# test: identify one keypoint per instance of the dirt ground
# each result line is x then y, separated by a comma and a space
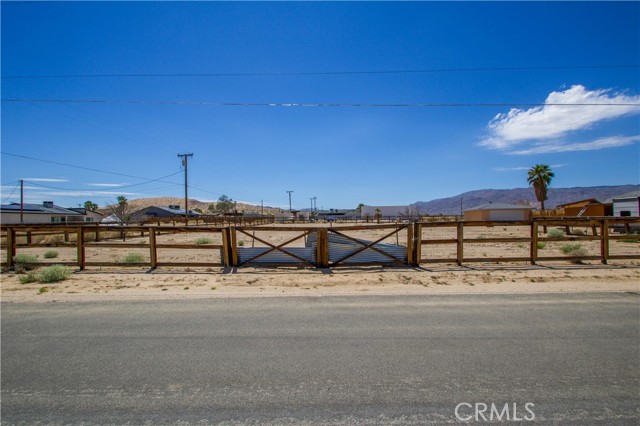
137, 282
256, 282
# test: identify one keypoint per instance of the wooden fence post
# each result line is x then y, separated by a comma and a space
534, 242
604, 241
80, 247
11, 246
410, 259
322, 250
460, 243
153, 251
234, 246
417, 236
226, 247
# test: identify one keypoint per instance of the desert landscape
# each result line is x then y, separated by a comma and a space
132, 281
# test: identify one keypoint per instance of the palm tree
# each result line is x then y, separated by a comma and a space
540, 177
90, 205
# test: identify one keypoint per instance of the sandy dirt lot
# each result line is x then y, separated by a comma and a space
109, 283
252, 282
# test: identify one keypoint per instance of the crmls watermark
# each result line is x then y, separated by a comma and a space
481, 412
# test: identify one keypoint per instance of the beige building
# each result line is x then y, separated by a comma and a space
498, 212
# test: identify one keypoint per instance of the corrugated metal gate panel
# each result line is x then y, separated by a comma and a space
338, 251
339, 247
276, 256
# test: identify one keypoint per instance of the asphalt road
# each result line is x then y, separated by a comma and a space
332, 360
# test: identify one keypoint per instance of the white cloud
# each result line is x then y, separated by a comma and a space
544, 126
45, 180
609, 142
107, 185
81, 194
520, 168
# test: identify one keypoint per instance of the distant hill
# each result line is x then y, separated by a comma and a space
521, 196
141, 203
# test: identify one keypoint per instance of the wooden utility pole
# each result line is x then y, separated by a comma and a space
289, 192
21, 201
185, 163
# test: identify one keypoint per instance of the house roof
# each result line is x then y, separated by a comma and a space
587, 202
499, 206
628, 195
37, 209
175, 212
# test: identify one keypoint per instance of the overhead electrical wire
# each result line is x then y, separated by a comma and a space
118, 187
322, 73
12, 192
311, 105
77, 167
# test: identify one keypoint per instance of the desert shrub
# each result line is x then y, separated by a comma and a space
630, 240
241, 243
203, 240
578, 232
53, 239
555, 233
541, 245
31, 277
50, 254
24, 262
573, 250
133, 258
54, 273
42, 290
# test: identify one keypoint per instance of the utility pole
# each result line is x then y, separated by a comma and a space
289, 192
261, 207
185, 163
315, 205
21, 201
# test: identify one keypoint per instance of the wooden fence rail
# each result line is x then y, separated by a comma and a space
600, 227
332, 246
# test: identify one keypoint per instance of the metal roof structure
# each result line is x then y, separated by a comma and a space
499, 206
45, 208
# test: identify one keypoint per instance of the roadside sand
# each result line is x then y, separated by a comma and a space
271, 282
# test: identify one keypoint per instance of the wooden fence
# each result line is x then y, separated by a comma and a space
601, 231
406, 244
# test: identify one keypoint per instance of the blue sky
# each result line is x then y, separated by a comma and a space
507, 53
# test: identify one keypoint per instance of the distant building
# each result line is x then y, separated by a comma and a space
498, 212
336, 214
47, 212
586, 208
155, 212
627, 204
387, 212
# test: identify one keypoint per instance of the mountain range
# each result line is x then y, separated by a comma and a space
446, 206
520, 196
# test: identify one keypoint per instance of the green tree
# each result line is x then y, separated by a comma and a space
540, 177
121, 208
225, 204
90, 205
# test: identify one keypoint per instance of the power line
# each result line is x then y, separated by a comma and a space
12, 192
76, 167
312, 105
118, 187
321, 73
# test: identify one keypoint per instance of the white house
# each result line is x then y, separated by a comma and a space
627, 204
44, 213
